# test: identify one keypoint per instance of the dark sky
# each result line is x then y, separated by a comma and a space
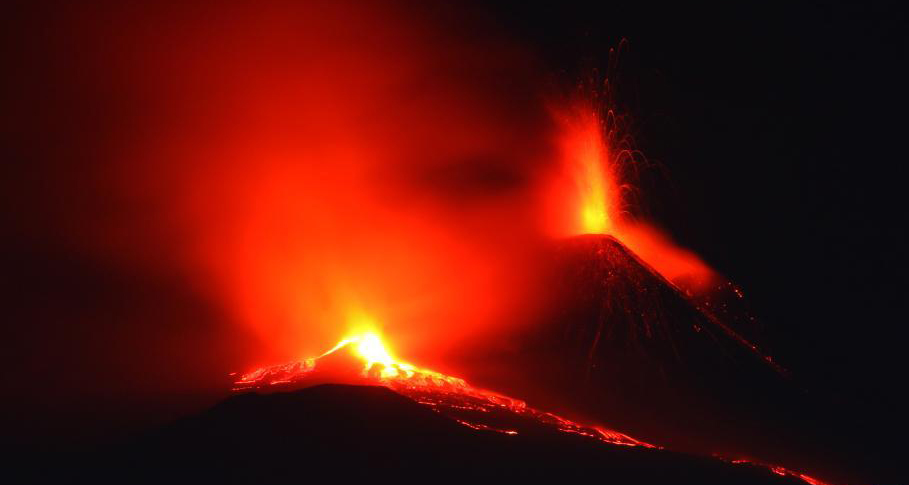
780, 133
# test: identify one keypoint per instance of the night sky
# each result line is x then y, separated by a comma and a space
777, 138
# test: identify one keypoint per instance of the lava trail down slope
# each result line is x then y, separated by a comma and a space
343, 432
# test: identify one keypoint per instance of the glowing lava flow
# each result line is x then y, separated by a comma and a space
781, 471
475, 408
472, 407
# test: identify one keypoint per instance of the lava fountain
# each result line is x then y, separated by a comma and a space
589, 194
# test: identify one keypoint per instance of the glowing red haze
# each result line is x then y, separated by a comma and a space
299, 161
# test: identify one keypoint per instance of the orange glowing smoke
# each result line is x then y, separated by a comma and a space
590, 197
287, 160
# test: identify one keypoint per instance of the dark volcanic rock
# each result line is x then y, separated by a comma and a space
624, 347
335, 434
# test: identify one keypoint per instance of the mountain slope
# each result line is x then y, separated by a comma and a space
343, 433
624, 347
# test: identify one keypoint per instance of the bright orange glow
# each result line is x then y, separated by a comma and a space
587, 183
596, 192
284, 167
370, 348
591, 190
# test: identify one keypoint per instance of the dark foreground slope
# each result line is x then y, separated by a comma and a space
624, 347
335, 434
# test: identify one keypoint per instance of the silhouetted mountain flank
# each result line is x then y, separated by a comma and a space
624, 347
339, 433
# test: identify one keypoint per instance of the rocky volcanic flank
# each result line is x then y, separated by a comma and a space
626, 348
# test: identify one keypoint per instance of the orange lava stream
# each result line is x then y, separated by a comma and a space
781, 471
429, 388
441, 392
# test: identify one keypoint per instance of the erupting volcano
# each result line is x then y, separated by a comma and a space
471, 233
627, 336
